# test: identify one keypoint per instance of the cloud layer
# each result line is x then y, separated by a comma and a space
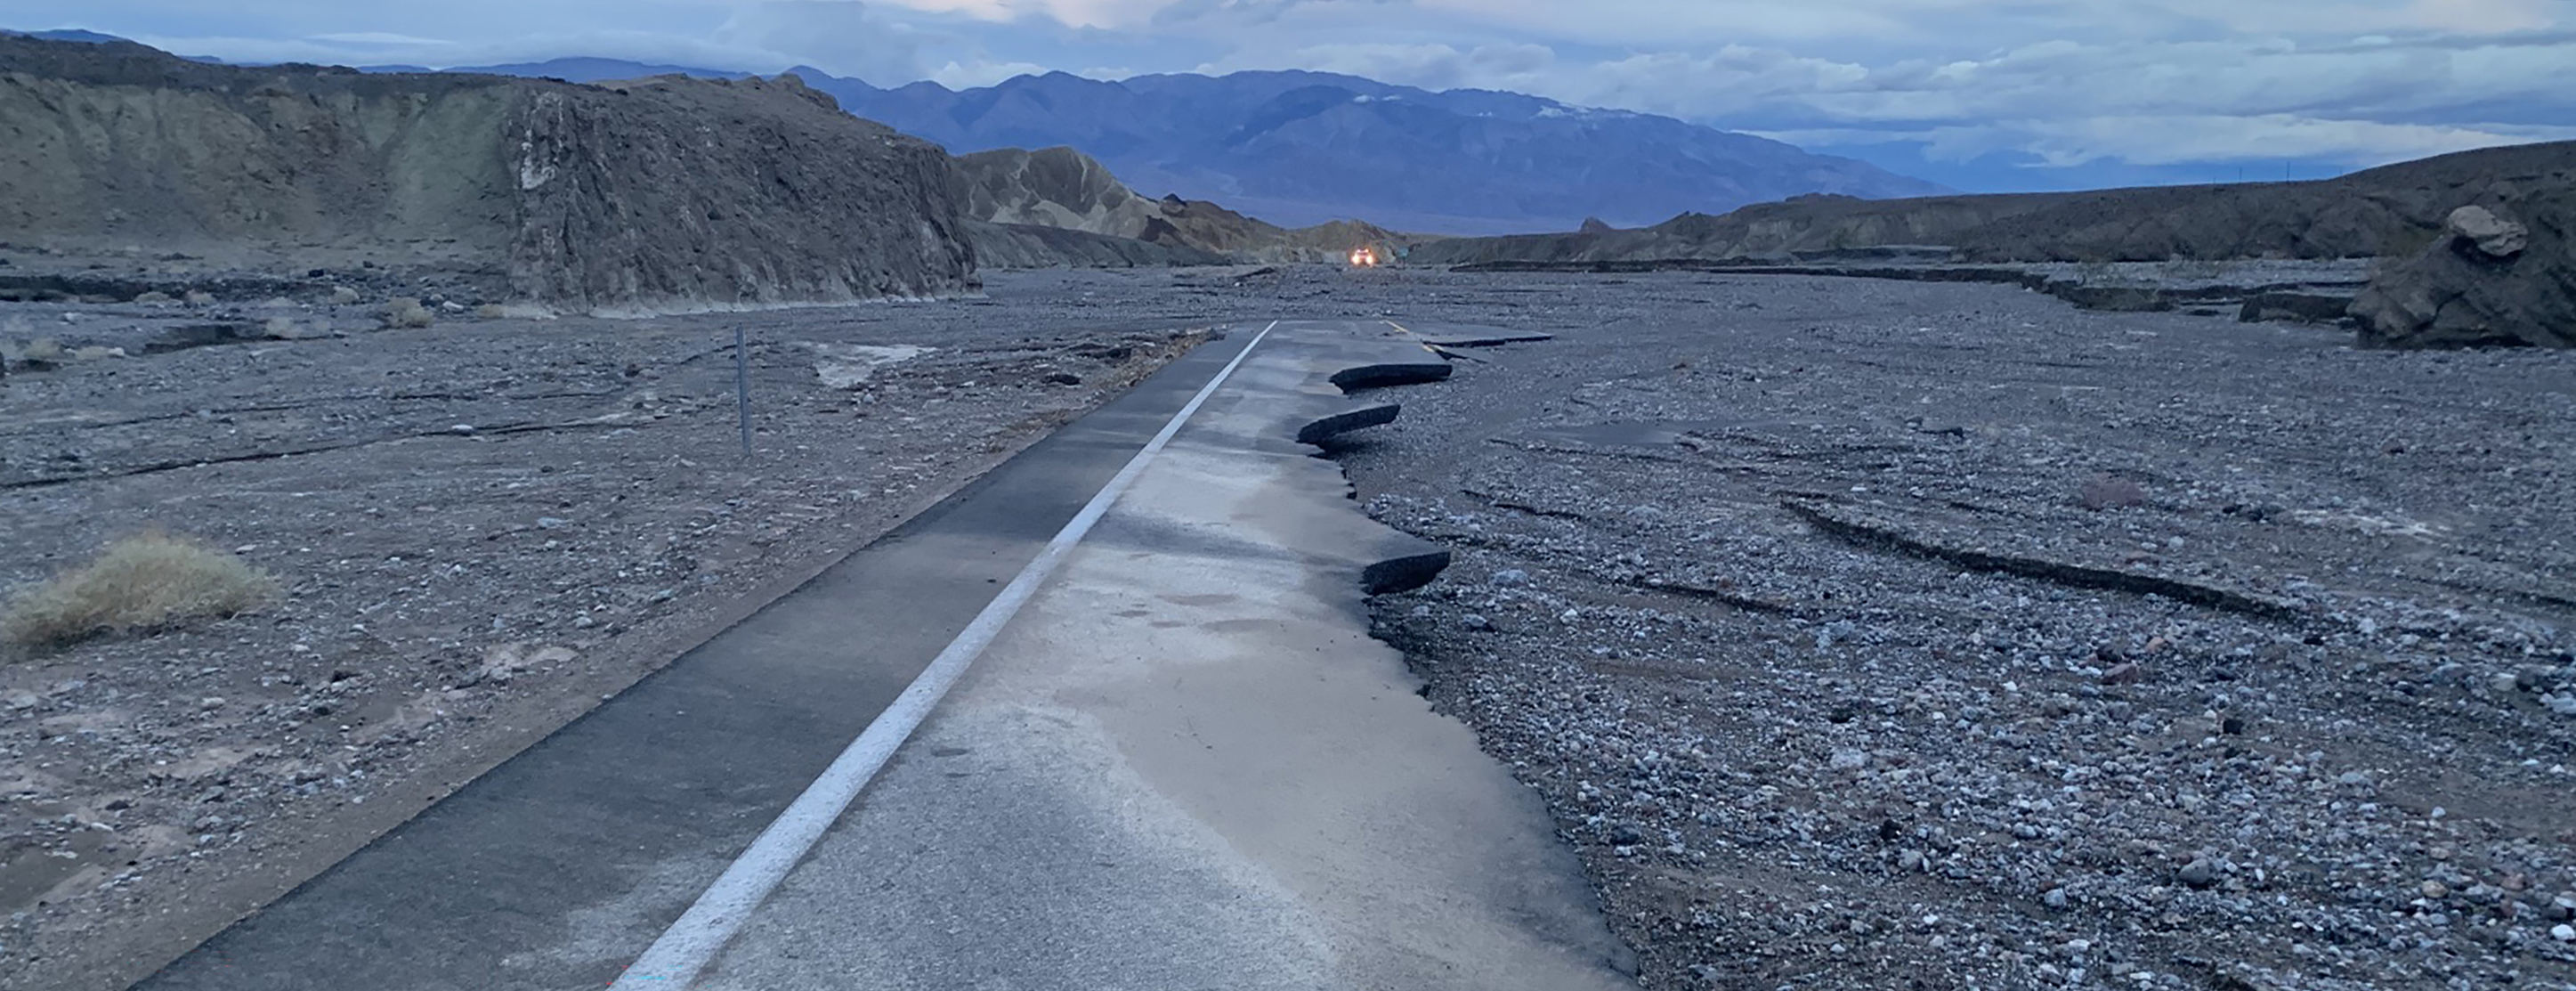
2074, 87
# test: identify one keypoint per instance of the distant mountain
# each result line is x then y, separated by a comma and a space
2390, 211
72, 34
1302, 147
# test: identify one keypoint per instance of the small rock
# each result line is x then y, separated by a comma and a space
2198, 874
1473, 621
2232, 726
1509, 577
1064, 378
2055, 898
551, 522
2435, 890
2494, 236
2563, 933
2123, 674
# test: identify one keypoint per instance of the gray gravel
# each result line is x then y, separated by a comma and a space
481, 528
1879, 635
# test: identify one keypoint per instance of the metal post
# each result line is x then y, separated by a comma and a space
742, 385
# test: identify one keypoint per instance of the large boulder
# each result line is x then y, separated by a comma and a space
2502, 272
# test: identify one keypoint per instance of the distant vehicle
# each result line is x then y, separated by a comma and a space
1364, 258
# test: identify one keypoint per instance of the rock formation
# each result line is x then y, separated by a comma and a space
667, 194
2501, 274
1065, 189
2391, 210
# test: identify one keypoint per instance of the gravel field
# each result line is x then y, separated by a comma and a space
481, 529
1861, 634
1869, 634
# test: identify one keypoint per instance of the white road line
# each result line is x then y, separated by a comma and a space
683, 950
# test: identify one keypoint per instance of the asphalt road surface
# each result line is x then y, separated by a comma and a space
1183, 764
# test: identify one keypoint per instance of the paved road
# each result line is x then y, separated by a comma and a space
1184, 765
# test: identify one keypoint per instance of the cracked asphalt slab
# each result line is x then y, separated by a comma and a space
555, 868
1187, 739
1187, 765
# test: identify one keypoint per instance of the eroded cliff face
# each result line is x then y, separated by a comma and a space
1054, 187
1021, 194
118, 143
675, 193
2389, 211
654, 196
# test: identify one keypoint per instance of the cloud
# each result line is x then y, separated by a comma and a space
378, 38
2356, 101
844, 37
2143, 81
956, 75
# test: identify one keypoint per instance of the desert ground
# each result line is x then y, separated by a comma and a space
1858, 633
479, 528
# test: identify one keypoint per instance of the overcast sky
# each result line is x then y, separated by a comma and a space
2051, 84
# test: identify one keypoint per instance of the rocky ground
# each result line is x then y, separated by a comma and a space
1860, 633
1870, 634
482, 527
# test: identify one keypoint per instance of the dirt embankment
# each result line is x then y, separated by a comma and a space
2394, 210
2503, 275
664, 195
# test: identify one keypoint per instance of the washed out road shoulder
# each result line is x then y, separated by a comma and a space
1792, 758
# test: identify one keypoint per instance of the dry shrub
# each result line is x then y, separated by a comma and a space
144, 582
406, 312
43, 349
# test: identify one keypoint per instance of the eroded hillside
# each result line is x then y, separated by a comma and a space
1064, 189
662, 195
2394, 210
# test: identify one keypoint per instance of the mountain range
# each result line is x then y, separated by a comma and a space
1300, 148
1303, 148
